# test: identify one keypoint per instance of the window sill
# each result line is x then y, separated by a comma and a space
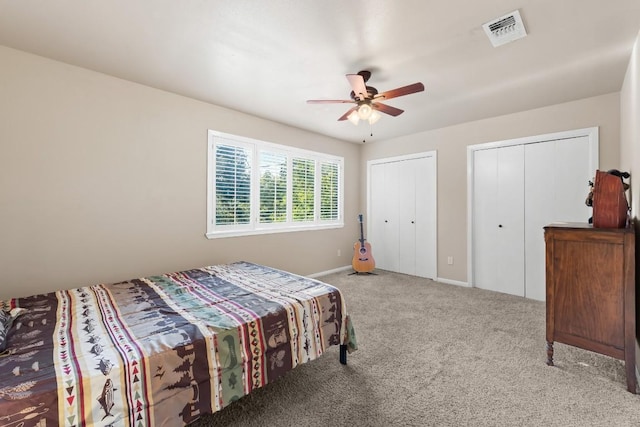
239, 233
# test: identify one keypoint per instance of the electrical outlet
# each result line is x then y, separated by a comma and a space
450, 260
339, 252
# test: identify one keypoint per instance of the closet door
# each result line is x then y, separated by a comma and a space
392, 208
510, 218
384, 216
556, 185
523, 188
407, 216
403, 215
499, 219
426, 220
485, 232
376, 220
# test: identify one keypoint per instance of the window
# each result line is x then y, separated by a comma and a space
257, 187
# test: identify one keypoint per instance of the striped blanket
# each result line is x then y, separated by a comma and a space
163, 350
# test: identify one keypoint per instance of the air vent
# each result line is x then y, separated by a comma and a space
505, 29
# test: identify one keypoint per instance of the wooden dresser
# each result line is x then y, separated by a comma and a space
591, 300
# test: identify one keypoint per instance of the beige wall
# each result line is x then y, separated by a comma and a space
630, 128
104, 180
451, 144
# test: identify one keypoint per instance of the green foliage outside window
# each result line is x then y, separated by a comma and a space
233, 185
273, 188
329, 191
303, 190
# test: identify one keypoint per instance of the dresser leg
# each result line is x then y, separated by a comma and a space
630, 366
550, 353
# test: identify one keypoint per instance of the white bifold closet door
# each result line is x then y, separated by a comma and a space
499, 219
385, 214
517, 190
557, 175
402, 219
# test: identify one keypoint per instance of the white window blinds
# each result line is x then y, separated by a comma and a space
273, 187
259, 187
329, 191
233, 185
303, 194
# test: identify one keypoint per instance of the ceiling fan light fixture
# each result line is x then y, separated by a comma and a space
375, 116
353, 117
365, 111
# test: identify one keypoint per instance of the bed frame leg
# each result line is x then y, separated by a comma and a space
343, 354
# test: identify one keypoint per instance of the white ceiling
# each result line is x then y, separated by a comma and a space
266, 58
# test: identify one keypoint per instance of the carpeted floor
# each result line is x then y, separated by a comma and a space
432, 354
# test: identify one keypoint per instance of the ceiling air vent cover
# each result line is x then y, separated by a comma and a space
505, 29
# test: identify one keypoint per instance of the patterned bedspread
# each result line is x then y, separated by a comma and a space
163, 350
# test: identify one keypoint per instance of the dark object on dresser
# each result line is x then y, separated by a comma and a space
610, 207
591, 291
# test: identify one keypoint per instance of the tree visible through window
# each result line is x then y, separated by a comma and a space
233, 185
303, 189
329, 191
273, 187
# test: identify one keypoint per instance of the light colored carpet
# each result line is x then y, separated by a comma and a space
432, 354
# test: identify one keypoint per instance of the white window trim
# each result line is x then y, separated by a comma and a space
255, 227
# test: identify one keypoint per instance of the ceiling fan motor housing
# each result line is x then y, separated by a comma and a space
371, 92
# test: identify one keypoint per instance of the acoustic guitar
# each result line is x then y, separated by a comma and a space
363, 261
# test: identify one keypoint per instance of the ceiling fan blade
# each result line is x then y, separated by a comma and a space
357, 84
387, 109
345, 116
401, 91
330, 101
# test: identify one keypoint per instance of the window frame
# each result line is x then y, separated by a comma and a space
255, 227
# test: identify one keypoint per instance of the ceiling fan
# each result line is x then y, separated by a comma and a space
367, 99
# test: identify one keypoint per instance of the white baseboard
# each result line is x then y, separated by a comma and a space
452, 282
324, 273
348, 267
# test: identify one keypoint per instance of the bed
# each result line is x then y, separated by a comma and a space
162, 350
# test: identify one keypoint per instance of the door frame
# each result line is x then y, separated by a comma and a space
412, 156
592, 133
